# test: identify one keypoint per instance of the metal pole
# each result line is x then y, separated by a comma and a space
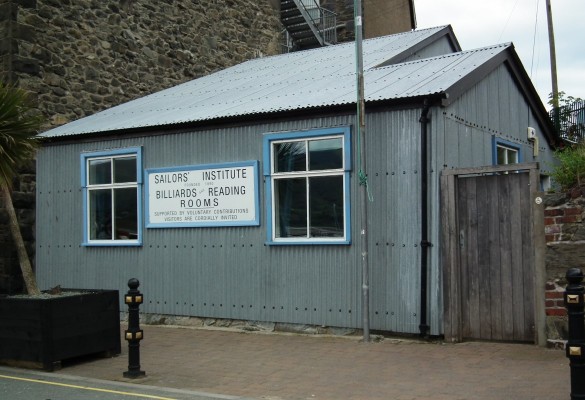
361, 133
553, 56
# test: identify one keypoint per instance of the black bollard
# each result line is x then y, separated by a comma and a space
133, 334
575, 303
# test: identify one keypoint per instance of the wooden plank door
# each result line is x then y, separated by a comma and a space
497, 285
489, 256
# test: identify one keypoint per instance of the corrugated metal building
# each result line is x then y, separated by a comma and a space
236, 195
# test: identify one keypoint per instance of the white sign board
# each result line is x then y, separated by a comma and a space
203, 195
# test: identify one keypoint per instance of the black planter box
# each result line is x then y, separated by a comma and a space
41, 332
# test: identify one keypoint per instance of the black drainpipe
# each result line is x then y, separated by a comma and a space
424, 243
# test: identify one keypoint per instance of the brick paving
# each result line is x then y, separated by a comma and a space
299, 367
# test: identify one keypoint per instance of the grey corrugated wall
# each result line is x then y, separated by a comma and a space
229, 272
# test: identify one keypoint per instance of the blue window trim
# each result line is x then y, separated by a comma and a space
255, 222
345, 131
498, 141
137, 151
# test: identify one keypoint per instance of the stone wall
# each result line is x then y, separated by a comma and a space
78, 57
565, 236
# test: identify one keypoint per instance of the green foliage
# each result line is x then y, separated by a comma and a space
563, 100
570, 172
19, 125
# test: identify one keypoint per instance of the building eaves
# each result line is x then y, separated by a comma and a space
470, 67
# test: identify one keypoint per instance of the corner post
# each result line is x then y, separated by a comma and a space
575, 303
133, 334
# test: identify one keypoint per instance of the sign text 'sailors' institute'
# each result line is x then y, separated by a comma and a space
209, 195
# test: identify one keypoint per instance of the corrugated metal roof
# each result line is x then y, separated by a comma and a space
426, 77
314, 78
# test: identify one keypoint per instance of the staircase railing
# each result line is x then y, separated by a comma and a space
320, 22
329, 26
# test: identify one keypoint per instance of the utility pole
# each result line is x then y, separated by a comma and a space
363, 179
553, 57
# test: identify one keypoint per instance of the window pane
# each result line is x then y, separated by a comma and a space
507, 155
502, 159
291, 207
100, 214
512, 156
325, 154
124, 169
290, 157
125, 210
100, 172
326, 206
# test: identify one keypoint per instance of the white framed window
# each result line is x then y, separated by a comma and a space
112, 193
307, 186
505, 152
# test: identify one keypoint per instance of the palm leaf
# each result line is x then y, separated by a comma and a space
19, 125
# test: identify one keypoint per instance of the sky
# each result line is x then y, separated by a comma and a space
524, 23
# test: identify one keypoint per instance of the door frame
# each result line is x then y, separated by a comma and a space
450, 244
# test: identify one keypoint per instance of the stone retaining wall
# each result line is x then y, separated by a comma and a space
565, 235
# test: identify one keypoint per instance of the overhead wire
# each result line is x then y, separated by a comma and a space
534, 38
507, 21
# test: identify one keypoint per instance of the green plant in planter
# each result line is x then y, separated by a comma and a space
19, 125
570, 172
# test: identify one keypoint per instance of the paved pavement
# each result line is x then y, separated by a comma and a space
294, 367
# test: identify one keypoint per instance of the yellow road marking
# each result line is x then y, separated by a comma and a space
85, 388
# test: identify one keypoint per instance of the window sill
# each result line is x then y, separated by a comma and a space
308, 242
110, 243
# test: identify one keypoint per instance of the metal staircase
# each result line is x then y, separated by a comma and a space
307, 25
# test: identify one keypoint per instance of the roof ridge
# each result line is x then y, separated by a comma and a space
447, 55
